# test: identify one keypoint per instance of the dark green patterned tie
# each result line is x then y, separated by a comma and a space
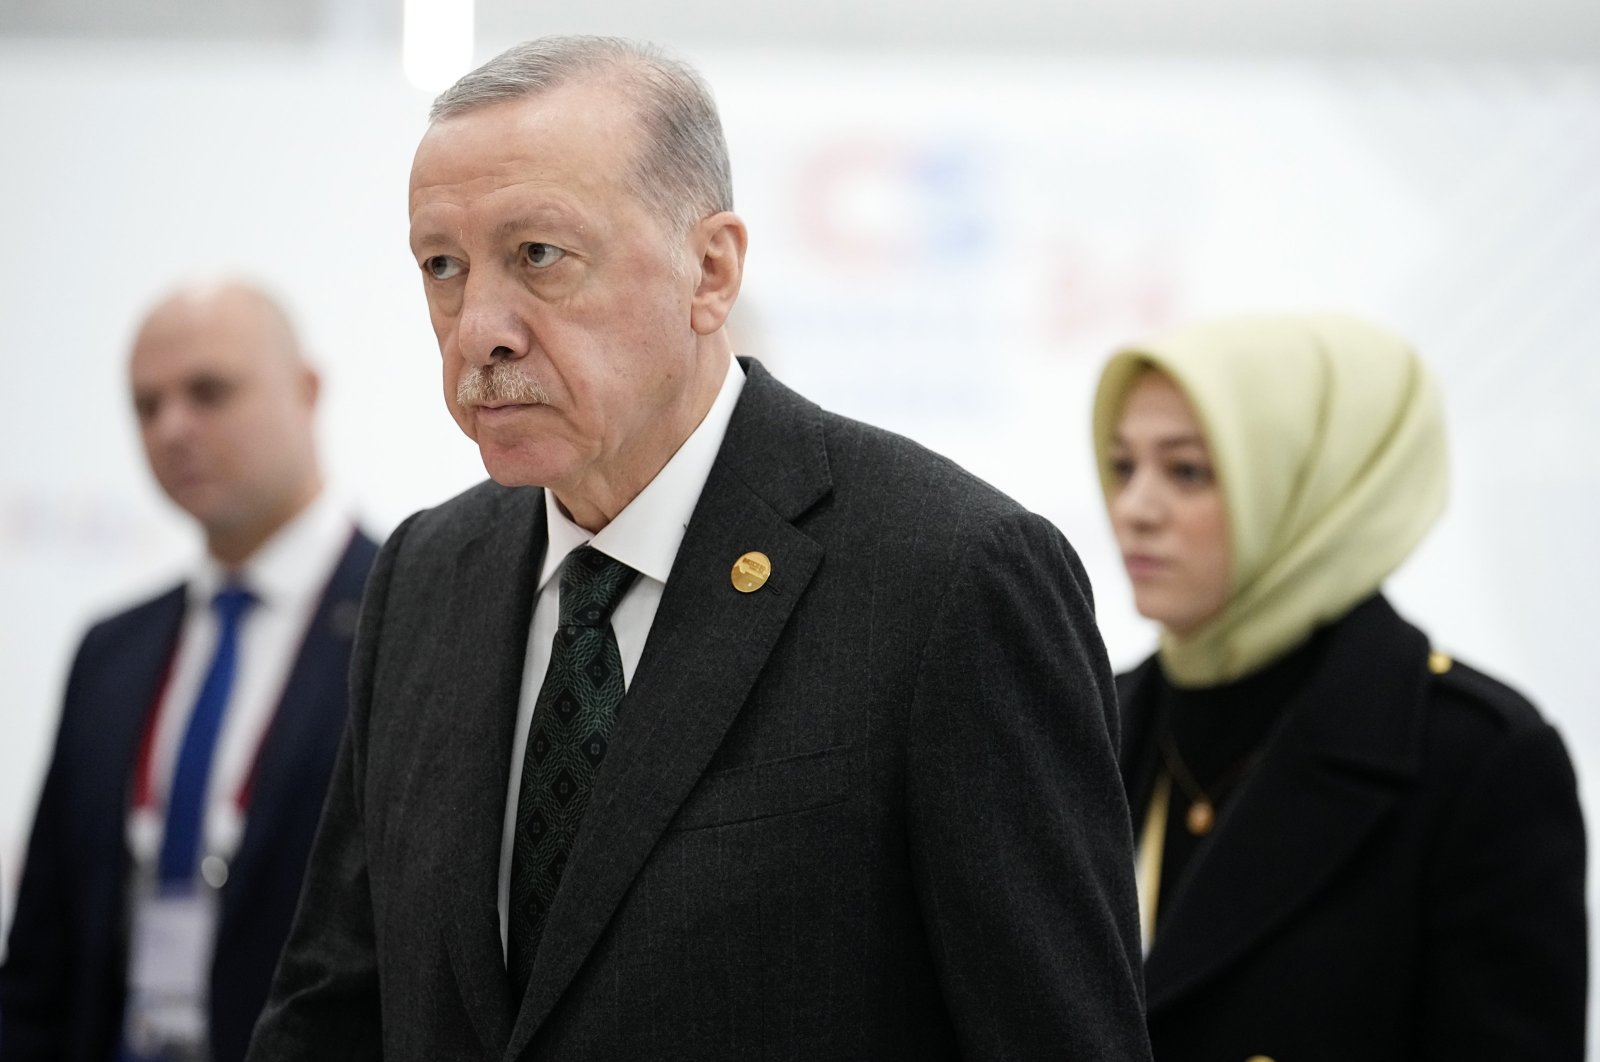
572, 722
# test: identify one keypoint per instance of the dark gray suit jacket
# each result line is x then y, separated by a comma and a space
870, 811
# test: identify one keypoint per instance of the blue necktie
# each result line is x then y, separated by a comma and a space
186, 803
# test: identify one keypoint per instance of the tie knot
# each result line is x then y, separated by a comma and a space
231, 602
591, 585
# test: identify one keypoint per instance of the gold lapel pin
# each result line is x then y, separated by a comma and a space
751, 571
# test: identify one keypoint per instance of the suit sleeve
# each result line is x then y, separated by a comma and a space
1020, 836
325, 1001
1506, 954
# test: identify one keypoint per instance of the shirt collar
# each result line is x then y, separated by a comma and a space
291, 566
646, 534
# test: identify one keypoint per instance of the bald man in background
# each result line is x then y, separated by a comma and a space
199, 728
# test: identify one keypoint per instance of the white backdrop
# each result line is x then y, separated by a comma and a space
947, 246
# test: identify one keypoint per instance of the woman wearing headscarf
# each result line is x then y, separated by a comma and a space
1351, 846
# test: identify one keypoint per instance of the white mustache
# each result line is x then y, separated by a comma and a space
499, 383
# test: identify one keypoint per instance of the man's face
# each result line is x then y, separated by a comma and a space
542, 269
225, 413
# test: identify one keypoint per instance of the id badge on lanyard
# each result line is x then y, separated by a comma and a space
174, 932
174, 927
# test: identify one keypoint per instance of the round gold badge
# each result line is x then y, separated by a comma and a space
750, 572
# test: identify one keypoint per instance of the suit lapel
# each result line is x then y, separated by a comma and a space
1341, 759
130, 681
706, 647
118, 702
489, 615
313, 694
141, 672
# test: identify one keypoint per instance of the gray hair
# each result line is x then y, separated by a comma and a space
682, 171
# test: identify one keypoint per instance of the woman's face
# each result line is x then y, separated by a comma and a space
1166, 510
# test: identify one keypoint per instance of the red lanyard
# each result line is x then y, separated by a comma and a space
143, 784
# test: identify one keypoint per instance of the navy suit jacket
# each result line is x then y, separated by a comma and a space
63, 984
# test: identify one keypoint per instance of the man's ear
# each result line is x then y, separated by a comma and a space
720, 240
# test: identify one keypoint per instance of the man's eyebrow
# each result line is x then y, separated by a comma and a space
551, 217
428, 239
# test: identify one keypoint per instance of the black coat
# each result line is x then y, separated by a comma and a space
1401, 876
64, 982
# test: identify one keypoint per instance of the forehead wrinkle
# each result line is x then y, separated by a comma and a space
435, 226
544, 215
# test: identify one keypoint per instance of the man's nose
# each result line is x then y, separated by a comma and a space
490, 327
171, 422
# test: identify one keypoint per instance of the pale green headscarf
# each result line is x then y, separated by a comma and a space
1327, 439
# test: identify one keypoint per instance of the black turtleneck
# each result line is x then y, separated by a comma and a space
1218, 733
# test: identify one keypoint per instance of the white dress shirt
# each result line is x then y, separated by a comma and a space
287, 576
645, 536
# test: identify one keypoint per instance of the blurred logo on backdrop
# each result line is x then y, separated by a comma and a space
934, 272
73, 522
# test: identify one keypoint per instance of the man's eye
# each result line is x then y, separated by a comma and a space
441, 266
542, 255
209, 391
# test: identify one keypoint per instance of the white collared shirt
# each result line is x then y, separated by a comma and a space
645, 536
287, 575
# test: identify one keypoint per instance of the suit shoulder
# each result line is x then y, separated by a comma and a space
363, 546
460, 518
1477, 723
1467, 697
138, 616
875, 462
914, 514
1465, 712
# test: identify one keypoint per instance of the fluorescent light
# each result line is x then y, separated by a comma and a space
437, 43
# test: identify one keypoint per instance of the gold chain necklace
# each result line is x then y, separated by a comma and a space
1202, 814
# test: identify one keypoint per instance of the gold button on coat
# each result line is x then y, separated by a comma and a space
1439, 662
750, 572
1259, 1058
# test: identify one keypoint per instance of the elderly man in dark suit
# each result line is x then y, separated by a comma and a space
200, 727
717, 726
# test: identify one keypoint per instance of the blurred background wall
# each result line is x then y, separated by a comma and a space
956, 210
